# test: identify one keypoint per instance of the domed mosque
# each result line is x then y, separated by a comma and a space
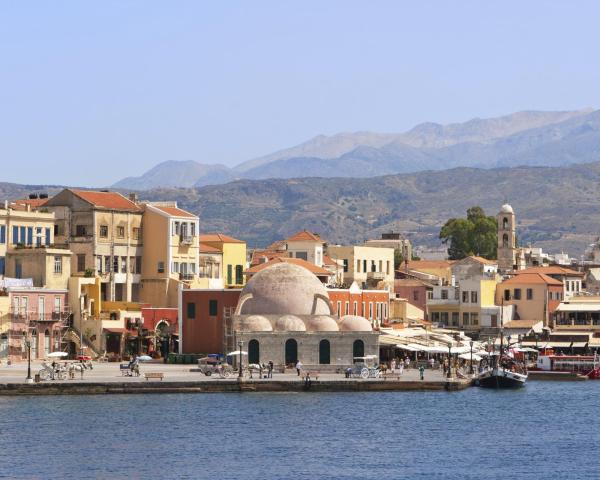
284, 315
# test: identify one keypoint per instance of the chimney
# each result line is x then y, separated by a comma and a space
133, 197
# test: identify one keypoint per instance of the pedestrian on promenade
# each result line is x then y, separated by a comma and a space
270, 369
407, 362
393, 365
298, 367
431, 363
401, 367
422, 372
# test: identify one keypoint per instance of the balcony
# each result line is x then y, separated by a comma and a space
186, 277
186, 240
375, 275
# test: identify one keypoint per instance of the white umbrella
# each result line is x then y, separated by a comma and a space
57, 354
144, 358
237, 352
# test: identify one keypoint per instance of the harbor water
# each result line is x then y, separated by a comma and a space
546, 430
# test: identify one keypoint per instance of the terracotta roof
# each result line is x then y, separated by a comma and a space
537, 278
305, 236
485, 261
410, 282
175, 211
327, 260
553, 270
311, 267
204, 248
258, 255
32, 202
279, 245
108, 200
219, 237
429, 264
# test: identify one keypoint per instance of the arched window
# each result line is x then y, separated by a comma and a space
505, 240
504, 223
358, 348
253, 351
291, 351
47, 340
34, 343
324, 352
3, 345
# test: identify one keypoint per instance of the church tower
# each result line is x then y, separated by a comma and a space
507, 240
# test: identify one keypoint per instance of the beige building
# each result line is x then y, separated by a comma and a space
399, 243
104, 232
171, 253
365, 265
209, 272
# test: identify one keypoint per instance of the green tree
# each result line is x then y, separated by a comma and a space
474, 235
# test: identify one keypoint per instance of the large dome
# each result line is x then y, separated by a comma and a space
283, 289
354, 323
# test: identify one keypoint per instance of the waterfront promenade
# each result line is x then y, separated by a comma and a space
107, 378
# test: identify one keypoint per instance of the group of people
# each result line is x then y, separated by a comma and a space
262, 368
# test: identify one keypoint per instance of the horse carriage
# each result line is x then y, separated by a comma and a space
214, 365
365, 367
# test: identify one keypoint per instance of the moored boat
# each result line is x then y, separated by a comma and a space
504, 371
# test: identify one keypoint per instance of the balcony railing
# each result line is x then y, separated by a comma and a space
376, 275
186, 276
186, 239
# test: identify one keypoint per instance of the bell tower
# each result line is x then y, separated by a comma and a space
507, 241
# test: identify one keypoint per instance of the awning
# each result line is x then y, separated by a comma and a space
579, 307
114, 330
467, 356
410, 348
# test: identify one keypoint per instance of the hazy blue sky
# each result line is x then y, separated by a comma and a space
91, 92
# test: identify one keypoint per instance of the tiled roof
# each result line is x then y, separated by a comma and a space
218, 237
108, 200
485, 261
277, 246
311, 267
175, 211
410, 282
204, 248
32, 202
327, 260
531, 278
553, 270
258, 255
428, 264
305, 236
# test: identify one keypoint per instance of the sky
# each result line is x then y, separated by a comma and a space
91, 92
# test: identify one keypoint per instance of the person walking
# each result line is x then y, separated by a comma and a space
270, 369
407, 362
298, 367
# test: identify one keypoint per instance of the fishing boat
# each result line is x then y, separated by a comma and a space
504, 371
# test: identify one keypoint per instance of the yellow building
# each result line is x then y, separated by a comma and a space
234, 257
171, 253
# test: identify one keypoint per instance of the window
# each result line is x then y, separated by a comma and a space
474, 319
138, 265
238, 274
415, 295
57, 304
213, 308
56, 230
116, 264
193, 229
465, 318
2, 265
347, 308
81, 262
506, 294
363, 311
465, 296
38, 237
137, 233
381, 265
177, 228
364, 266
435, 317
567, 285
229, 274
387, 267
15, 235
530, 294
191, 310
2, 234
474, 297
324, 352
505, 241
57, 264
120, 232
302, 255
358, 266
161, 267
106, 264
345, 265
123, 264
455, 319
22, 234
370, 310
517, 294
339, 308
29, 235
373, 267
355, 308
444, 318
444, 294
104, 231
99, 263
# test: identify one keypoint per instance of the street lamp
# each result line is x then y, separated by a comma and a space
28, 345
449, 374
471, 367
240, 345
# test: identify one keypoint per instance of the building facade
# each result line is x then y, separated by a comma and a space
233, 254
367, 266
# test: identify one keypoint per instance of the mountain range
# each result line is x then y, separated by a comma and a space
529, 138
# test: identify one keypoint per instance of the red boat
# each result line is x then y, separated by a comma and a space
583, 364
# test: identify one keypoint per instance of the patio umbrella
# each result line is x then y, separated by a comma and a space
57, 354
237, 352
144, 358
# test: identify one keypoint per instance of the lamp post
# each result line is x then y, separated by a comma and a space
449, 374
240, 345
28, 345
471, 366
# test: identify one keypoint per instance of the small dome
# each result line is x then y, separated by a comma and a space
506, 208
290, 323
321, 323
253, 323
354, 323
283, 289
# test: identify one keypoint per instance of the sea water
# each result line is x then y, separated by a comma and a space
547, 430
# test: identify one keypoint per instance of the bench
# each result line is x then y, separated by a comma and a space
387, 375
311, 375
156, 375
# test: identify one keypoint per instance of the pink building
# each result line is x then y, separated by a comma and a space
38, 314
